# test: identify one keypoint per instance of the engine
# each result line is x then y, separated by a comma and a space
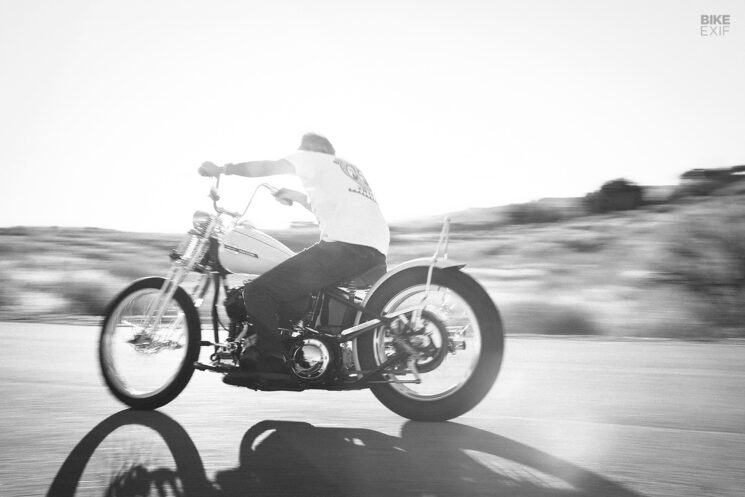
311, 359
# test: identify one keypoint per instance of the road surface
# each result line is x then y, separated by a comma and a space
566, 417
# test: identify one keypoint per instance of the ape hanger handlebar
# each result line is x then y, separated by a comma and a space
215, 196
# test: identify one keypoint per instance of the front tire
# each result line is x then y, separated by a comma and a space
465, 375
146, 367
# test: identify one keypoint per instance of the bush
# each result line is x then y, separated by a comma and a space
616, 195
87, 299
7, 298
706, 255
532, 212
545, 318
587, 244
702, 182
86, 292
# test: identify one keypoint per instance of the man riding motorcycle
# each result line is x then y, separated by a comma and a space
354, 238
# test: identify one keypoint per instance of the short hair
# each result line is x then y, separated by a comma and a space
313, 142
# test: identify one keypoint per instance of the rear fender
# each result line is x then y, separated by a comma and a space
421, 262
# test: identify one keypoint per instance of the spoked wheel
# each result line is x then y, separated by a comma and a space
147, 364
458, 339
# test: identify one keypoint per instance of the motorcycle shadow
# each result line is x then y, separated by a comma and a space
279, 458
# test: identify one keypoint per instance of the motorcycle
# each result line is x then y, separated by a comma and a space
424, 337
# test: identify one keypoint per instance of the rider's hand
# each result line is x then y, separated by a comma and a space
210, 169
285, 196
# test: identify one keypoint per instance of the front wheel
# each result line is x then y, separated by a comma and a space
459, 341
146, 364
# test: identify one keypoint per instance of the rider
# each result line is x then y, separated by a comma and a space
354, 238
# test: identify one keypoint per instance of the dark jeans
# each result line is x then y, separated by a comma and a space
285, 288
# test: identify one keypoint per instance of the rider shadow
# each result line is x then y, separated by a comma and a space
279, 458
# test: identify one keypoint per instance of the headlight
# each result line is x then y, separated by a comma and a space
201, 219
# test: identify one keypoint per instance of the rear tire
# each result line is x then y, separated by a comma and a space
480, 369
122, 377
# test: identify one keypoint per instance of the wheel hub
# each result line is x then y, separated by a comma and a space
430, 340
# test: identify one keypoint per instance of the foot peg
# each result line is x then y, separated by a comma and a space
217, 368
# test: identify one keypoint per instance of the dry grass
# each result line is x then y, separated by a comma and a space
673, 270
68, 271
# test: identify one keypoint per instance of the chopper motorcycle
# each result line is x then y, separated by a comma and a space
424, 337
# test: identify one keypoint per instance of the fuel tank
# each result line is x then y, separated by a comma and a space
250, 251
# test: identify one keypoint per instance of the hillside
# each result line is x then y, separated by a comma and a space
668, 270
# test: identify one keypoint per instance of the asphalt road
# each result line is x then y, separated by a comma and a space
566, 417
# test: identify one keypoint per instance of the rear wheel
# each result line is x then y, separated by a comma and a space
146, 364
459, 340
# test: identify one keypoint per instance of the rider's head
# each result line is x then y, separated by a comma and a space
313, 142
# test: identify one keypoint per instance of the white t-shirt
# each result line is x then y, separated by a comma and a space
341, 200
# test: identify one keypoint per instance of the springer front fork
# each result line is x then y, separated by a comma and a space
173, 281
185, 258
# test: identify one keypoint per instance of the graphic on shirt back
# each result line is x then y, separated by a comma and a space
363, 188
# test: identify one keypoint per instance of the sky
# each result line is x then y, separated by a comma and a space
107, 108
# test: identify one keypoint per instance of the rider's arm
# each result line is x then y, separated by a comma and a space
260, 168
269, 168
293, 196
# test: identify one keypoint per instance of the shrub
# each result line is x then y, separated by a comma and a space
7, 298
616, 195
532, 212
87, 298
702, 182
15, 231
86, 292
545, 318
706, 254
585, 244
